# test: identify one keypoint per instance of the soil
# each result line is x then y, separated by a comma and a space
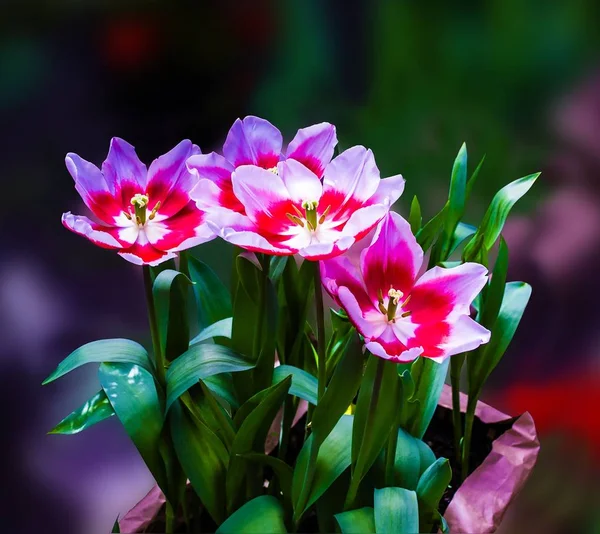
439, 437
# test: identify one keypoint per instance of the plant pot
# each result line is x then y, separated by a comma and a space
479, 503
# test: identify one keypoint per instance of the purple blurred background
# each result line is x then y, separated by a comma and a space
518, 81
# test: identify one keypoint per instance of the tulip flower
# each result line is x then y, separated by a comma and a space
400, 315
288, 209
255, 141
147, 215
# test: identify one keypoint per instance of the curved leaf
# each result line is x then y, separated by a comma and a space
251, 437
280, 468
396, 511
203, 458
94, 410
304, 385
200, 362
361, 521
414, 218
132, 393
261, 515
332, 460
170, 299
212, 297
104, 350
431, 488
222, 386
221, 328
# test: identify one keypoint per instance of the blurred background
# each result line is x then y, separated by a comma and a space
519, 81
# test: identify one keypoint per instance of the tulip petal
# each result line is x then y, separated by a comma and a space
103, 236
184, 230
170, 181
124, 173
91, 185
216, 169
441, 292
370, 322
265, 198
253, 141
388, 191
363, 220
301, 183
393, 259
340, 272
465, 335
314, 146
143, 253
254, 242
350, 180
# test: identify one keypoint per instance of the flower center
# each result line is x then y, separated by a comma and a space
273, 170
140, 205
394, 296
309, 216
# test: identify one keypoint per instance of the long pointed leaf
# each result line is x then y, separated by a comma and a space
221, 328
262, 515
396, 511
94, 410
361, 521
212, 297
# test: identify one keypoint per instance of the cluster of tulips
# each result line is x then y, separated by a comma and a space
343, 398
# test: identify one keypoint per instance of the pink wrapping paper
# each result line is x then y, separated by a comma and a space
479, 504
481, 501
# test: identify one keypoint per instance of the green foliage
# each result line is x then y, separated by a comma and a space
396, 510
96, 409
263, 514
212, 298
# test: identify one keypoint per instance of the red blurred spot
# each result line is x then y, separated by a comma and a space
130, 43
567, 404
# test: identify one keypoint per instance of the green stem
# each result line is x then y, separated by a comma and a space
184, 263
169, 519
466, 448
371, 414
390, 458
321, 358
159, 361
456, 364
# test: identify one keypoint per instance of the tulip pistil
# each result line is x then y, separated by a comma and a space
310, 209
140, 205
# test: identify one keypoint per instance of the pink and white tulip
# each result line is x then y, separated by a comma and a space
403, 316
147, 215
304, 204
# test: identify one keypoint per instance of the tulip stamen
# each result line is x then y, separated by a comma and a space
295, 220
322, 217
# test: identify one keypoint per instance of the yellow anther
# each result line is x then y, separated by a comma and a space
273, 170
295, 220
139, 201
322, 217
154, 210
395, 295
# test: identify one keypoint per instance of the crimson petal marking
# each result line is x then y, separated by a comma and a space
465, 335
350, 180
441, 292
103, 236
313, 146
187, 224
254, 242
216, 169
123, 171
170, 181
253, 141
406, 356
145, 254
369, 322
393, 259
93, 189
340, 272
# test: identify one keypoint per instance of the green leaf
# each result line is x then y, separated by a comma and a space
304, 385
200, 362
428, 378
494, 292
361, 521
433, 483
204, 459
248, 275
340, 391
496, 215
332, 460
413, 457
170, 298
212, 297
276, 267
132, 393
431, 488
376, 411
483, 361
251, 437
221, 328
104, 350
457, 193
414, 218
222, 386
261, 515
94, 410
116, 528
396, 511
427, 234
282, 470
463, 232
